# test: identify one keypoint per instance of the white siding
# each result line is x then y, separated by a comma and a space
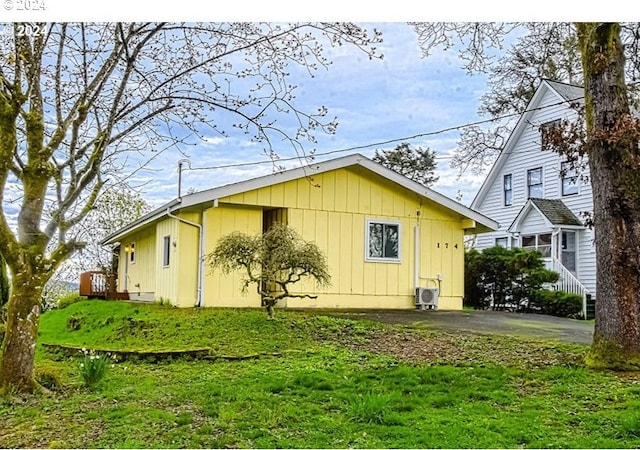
534, 222
524, 154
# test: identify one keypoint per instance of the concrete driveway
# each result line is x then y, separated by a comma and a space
489, 322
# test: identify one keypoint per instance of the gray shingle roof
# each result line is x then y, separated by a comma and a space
556, 211
568, 91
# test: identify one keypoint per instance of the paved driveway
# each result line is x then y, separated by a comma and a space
489, 322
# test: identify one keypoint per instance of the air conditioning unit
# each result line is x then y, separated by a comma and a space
427, 298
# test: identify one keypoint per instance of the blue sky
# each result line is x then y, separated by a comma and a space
375, 101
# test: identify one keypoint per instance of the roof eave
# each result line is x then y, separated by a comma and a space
144, 220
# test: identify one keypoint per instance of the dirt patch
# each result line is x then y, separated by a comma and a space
528, 326
445, 348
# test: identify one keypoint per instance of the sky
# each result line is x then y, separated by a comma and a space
375, 101
378, 103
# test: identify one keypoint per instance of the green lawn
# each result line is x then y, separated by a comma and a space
315, 381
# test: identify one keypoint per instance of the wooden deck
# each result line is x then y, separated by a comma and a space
98, 284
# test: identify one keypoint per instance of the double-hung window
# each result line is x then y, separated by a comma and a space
534, 183
569, 177
508, 190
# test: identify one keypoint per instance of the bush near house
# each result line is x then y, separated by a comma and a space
502, 278
559, 303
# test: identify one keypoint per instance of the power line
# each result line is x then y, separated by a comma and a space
389, 141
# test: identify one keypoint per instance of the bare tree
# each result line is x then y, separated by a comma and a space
538, 50
610, 67
81, 103
272, 261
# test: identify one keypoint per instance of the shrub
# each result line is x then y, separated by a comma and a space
504, 278
559, 303
69, 299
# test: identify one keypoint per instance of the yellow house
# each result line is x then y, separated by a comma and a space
386, 239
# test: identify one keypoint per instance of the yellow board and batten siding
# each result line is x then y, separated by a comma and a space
332, 209
178, 281
138, 277
148, 278
225, 289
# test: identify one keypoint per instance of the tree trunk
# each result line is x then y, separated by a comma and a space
19, 345
614, 162
270, 309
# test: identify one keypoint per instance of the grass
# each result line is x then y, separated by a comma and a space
335, 385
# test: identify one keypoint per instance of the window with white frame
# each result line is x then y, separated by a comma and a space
166, 251
539, 242
569, 177
508, 190
568, 250
534, 183
502, 242
383, 241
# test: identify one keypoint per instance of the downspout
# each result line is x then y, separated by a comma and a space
200, 252
416, 254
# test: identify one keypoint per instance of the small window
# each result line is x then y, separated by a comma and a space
569, 177
508, 190
502, 242
539, 242
166, 251
534, 183
132, 252
383, 241
545, 132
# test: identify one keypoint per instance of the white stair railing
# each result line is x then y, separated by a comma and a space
568, 282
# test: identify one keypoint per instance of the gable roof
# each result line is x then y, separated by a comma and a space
554, 212
566, 93
210, 195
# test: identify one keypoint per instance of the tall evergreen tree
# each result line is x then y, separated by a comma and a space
416, 163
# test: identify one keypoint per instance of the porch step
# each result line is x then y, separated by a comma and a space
591, 307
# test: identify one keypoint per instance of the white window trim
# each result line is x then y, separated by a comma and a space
576, 244
505, 238
537, 242
368, 258
527, 186
577, 184
504, 191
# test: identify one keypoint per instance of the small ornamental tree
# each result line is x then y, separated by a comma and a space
272, 261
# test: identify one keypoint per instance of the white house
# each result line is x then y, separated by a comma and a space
537, 204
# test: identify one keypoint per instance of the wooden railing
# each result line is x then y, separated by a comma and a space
568, 282
100, 284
